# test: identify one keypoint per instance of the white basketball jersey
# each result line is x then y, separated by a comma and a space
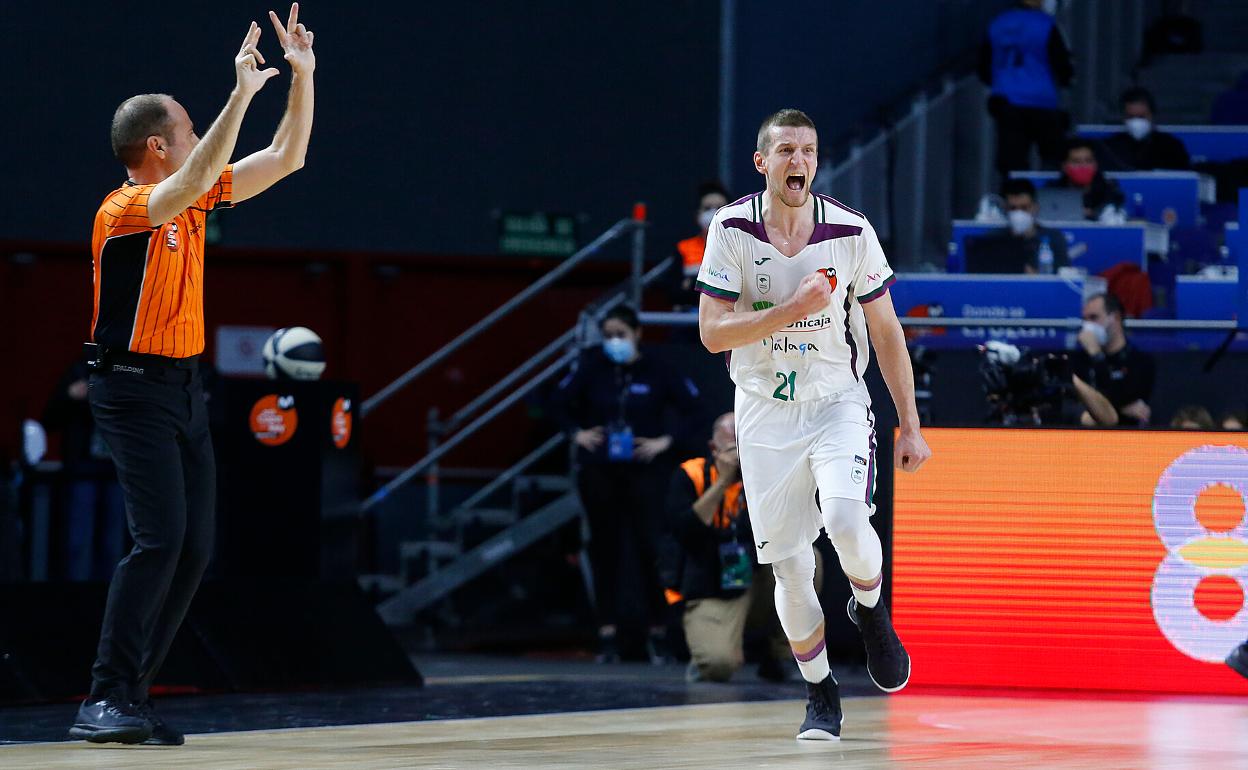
825, 353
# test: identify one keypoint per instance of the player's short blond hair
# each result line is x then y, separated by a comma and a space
786, 118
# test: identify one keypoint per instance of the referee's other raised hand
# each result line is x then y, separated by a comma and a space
248, 61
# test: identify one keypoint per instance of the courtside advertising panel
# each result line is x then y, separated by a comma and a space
1098, 560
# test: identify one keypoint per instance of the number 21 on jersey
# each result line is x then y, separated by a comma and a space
787, 381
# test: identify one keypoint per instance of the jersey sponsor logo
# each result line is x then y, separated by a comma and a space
171, 236
717, 273
763, 544
763, 304
763, 282
857, 474
859, 460
830, 274
787, 348
809, 324
761, 260
873, 277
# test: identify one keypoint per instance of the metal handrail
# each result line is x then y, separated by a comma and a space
520, 467
466, 432
1154, 324
619, 228
441, 449
467, 410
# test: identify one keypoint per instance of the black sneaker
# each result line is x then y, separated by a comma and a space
823, 712
887, 660
1238, 659
162, 734
110, 720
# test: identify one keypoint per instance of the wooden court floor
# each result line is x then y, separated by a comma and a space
911, 731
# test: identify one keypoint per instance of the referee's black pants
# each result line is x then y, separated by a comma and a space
155, 424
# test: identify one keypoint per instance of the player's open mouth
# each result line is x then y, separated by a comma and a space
796, 182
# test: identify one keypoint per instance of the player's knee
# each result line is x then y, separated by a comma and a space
795, 573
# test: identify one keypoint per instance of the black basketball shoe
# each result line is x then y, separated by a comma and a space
1238, 659
823, 712
887, 660
110, 720
162, 734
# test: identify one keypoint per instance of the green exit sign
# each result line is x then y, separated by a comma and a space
537, 233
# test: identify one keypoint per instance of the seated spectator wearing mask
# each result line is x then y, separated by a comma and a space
1141, 147
708, 561
1021, 209
711, 198
1192, 417
622, 408
1112, 377
1080, 171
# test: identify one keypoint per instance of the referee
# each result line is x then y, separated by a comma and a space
147, 333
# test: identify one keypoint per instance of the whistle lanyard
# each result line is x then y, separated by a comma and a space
624, 383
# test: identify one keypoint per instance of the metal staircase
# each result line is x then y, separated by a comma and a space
494, 523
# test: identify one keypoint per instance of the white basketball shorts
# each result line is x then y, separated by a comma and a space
789, 451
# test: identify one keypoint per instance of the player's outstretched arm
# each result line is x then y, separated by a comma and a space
723, 328
206, 162
889, 341
261, 170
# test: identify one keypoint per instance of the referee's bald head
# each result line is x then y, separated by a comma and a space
134, 121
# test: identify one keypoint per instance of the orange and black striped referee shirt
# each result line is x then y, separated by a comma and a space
149, 281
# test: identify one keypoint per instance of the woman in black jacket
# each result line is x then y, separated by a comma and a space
621, 406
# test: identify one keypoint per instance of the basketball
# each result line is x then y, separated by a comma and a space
294, 353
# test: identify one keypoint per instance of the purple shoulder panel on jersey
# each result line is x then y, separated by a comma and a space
879, 291
825, 232
755, 229
839, 205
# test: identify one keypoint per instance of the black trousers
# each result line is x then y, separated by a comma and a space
1018, 128
156, 427
625, 503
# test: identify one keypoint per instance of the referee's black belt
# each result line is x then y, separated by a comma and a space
149, 365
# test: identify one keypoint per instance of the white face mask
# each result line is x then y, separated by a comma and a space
1100, 332
1138, 128
705, 218
619, 349
1021, 222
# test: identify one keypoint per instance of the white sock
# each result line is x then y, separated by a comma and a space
814, 664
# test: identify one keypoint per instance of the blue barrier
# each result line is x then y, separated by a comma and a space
1170, 198
990, 297
1203, 143
1093, 247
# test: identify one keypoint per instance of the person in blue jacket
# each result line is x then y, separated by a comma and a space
1025, 60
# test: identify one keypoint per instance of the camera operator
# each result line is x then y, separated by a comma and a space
1112, 377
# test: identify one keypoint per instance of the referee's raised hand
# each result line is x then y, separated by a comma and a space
248, 62
296, 41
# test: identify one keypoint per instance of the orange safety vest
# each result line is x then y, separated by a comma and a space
730, 508
691, 251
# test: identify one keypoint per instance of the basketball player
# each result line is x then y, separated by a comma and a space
145, 390
791, 284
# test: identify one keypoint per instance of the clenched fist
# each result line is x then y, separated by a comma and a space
813, 294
